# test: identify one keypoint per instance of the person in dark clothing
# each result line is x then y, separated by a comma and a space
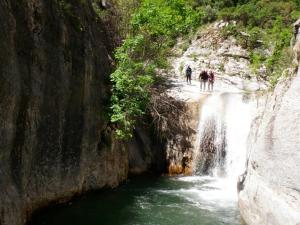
203, 80
211, 81
188, 74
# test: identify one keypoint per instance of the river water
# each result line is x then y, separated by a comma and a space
149, 201
209, 199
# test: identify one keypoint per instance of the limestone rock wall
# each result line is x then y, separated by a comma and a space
180, 149
209, 50
270, 188
55, 141
146, 152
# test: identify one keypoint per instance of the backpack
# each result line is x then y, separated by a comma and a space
205, 75
202, 75
188, 71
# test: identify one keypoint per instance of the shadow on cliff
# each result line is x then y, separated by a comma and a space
117, 207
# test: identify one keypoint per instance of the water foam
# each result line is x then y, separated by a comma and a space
233, 112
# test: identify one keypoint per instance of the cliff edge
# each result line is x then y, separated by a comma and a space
270, 188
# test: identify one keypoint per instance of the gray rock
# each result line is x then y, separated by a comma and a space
270, 188
55, 140
54, 72
210, 51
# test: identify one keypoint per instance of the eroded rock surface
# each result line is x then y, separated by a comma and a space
270, 188
55, 140
209, 50
54, 68
206, 50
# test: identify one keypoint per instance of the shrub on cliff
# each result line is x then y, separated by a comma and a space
154, 27
268, 24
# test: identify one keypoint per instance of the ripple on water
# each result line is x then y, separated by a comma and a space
149, 201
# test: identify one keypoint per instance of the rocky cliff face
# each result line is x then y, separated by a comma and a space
54, 85
207, 49
270, 188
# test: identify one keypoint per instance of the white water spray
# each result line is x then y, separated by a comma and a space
232, 114
220, 147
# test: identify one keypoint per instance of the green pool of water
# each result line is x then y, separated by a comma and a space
150, 201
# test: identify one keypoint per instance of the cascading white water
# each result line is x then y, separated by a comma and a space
231, 114
193, 200
220, 147
226, 118
210, 136
238, 118
224, 125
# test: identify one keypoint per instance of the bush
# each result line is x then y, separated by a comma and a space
154, 28
268, 24
156, 24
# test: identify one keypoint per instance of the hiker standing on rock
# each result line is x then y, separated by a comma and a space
203, 80
188, 74
211, 81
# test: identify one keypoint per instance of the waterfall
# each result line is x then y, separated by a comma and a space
207, 197
220, 149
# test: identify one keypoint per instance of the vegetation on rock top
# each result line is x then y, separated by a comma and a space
154, 28
262, 26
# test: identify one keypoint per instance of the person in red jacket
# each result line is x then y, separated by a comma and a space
211, 81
